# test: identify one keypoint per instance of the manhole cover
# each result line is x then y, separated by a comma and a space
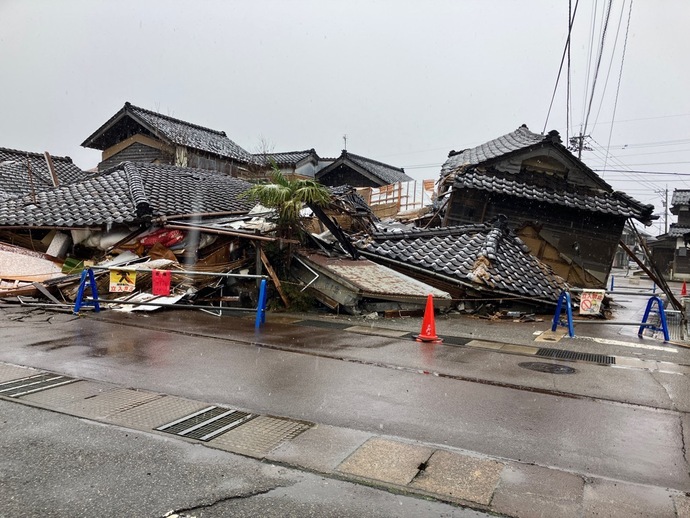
551, 368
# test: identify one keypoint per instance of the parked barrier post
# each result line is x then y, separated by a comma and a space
557, 316
612, 277
261, 305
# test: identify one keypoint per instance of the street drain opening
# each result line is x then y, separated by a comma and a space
207, 423
560, 354
551, 368
33, 384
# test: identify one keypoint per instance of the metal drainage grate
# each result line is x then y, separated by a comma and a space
207, 423
31, 384
551, 368
573, 355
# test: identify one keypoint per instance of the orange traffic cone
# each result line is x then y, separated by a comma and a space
684, 290
428, 333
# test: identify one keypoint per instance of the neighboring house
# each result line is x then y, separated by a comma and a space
670, 250
629, 238
469, 262
565, 213
138, 135
294, 164
358, 171
25, 173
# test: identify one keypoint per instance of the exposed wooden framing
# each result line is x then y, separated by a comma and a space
274, 277
141, 139
658, 279
51, 169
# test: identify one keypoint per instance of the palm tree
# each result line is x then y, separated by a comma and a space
288, 197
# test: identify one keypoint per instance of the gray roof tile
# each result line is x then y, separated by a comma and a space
128, 193
23, 171
519, 139
460, 252
553, 190
283, 158
173, 130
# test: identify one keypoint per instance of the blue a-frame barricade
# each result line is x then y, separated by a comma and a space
565, 297
87, 281
662, 317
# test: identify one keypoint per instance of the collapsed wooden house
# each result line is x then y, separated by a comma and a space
567, 215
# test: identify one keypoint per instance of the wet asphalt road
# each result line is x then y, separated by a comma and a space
607, 439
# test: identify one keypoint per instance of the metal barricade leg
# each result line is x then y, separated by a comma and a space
261, 305
557, 316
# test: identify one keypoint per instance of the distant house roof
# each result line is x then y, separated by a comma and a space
681, 197
474, 168
378, 172
482, 257
285, 158
675, 230
128, 193
22, 172
132, 119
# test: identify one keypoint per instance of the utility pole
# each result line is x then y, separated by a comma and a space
666, 211
664, 202
578, 144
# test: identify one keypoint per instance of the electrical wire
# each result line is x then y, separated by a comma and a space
598, 64
608, 70
560, 68
620, 75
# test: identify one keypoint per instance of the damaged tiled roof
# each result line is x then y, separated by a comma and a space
128, 193
174, 131
478, 256
350, 195
284, 158
554, 190
22, 171
476, 169
519, 139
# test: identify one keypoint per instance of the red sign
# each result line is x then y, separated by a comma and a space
161, 282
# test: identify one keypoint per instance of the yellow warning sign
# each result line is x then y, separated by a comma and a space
122, 281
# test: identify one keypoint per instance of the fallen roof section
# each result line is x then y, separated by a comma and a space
485, 258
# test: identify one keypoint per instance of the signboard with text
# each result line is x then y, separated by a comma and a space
122, 281
590, 302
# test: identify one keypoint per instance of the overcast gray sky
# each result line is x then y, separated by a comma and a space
406, 81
